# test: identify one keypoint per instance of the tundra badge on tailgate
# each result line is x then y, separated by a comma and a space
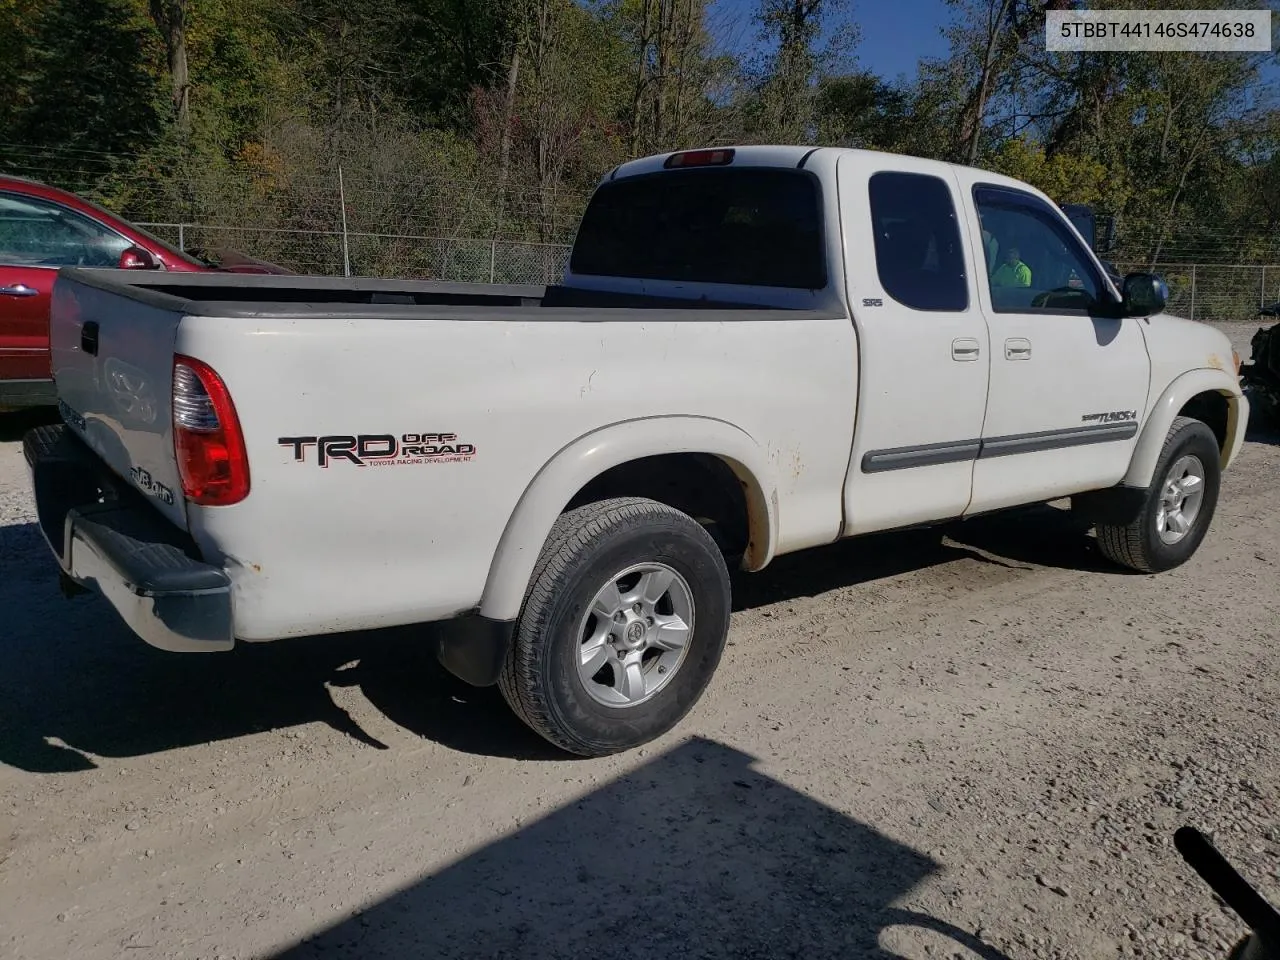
149, 485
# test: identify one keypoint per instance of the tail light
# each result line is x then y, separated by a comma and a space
207, 440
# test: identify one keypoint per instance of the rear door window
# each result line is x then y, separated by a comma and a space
919, 257
747, 226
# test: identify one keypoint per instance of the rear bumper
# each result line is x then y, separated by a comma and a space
15, 394
106, 537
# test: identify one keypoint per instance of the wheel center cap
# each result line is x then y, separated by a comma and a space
633, 636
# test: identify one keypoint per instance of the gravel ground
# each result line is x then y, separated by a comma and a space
969, 742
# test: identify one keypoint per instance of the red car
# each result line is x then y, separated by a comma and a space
43, 228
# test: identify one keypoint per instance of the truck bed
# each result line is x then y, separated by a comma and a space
293, 296
511, 376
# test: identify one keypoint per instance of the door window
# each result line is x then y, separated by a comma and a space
919, 258
39, 233
1035, 264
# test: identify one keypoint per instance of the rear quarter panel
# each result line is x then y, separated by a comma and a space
321, 549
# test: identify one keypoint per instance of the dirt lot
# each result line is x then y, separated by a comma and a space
969, 742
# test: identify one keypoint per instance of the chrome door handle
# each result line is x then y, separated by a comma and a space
18, 290
965, 348
1017, 348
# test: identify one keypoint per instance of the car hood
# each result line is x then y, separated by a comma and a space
1176, 345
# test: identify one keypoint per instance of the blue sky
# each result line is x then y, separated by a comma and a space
895, 33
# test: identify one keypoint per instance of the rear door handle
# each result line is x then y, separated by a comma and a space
18, 290
965, 348
1017, 348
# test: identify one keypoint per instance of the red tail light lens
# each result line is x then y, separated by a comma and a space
207, 440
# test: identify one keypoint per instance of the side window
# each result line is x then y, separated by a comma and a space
37, 233
919, 257
1034, 263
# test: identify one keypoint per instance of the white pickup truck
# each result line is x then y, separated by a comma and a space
754, 351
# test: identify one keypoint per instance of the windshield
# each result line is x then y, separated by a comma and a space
747, 226
1082, 219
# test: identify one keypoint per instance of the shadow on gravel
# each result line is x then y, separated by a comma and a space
81, 686
1041, 536
1260, 432
14, 425
1017, 540
75, 683
842, 564
694, 854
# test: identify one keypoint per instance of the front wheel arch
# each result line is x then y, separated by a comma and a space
1181, 394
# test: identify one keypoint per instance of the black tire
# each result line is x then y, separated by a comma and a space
1137, 544
586, 546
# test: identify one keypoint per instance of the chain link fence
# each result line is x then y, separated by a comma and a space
402, 214
1217, 292
1201, 291
334, 253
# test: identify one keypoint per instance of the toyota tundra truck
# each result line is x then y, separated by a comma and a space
753, 351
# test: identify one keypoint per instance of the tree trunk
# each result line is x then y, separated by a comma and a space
642, 80
973, 119
508, 113
170, 17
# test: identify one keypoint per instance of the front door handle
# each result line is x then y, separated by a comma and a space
1017, 348
965, 348
18, 290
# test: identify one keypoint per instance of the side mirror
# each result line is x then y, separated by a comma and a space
135, 258
1144, 294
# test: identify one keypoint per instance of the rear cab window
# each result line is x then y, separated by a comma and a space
748, 226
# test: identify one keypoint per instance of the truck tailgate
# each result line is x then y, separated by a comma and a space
113, 368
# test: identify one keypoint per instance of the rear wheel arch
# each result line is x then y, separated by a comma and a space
625, 459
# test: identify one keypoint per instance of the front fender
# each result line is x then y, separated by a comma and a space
1142, 465
580, 462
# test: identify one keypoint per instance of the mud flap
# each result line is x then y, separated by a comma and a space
1115, 506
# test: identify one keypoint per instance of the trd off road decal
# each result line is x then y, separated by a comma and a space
381, 449
1114, 416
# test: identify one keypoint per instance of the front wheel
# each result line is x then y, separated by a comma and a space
622, 627
1179, 505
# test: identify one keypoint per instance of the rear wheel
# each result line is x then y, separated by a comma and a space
622, 628
1179, 504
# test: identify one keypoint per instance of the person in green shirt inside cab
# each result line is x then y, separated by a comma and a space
1013, 272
